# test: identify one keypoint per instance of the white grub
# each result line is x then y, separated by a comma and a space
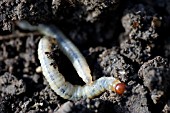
66, 46
63, 88
56, 80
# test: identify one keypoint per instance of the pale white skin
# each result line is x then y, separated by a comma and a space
66, 46
55, 79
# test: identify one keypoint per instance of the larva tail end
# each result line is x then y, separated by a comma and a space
120, 88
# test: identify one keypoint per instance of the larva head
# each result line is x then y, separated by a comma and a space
119, 88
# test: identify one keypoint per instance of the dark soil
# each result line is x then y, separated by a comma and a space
128, 40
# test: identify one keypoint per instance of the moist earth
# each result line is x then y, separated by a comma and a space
129, 40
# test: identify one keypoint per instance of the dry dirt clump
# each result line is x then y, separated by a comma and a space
155, 75
141, 32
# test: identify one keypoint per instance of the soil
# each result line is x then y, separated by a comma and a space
129, 40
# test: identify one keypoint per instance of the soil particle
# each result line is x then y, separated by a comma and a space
55, 5
136, 50
10, 85
167, 48
166, 107
17, 10
156, 77
71, 13
4, 105
89, 106
114, 64
94, 8
138, 102
97, 106
138, 41
65, 108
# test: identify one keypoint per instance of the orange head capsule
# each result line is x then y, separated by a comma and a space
120, 88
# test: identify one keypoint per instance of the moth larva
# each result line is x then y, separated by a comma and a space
56, 79
66, 46
65, 89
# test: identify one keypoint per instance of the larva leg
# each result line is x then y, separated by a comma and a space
67, 47
66, 89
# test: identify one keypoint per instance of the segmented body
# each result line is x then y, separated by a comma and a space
56, 80
66, 46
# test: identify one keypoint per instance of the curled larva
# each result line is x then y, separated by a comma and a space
65, 89
66, 46
56, 80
